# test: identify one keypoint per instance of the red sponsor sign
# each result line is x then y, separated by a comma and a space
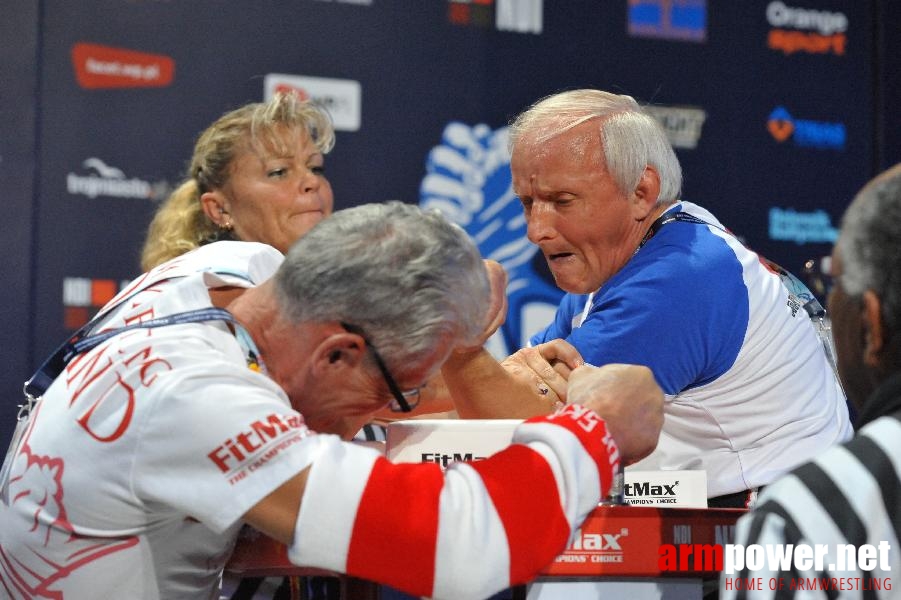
284, 88
104, 67
614, 541
627, 541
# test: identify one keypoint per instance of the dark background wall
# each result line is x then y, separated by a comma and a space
780, 111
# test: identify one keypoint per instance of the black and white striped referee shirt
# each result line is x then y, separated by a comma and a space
847, 498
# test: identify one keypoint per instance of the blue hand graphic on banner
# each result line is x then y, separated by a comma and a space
468, 180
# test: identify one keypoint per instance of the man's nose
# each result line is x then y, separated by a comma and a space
540, 222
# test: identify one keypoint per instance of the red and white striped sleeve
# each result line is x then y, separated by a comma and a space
466, 533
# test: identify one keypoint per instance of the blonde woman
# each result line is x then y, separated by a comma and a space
257, 174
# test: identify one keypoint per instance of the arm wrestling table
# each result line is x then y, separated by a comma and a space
616, 546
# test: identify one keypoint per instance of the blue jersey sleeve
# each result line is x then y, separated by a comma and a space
568, 313
680, 307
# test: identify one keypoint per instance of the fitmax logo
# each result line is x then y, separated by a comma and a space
597, 542
444, 459
646, 489
811, 134
259, 435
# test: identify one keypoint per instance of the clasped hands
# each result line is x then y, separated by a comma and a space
627, 397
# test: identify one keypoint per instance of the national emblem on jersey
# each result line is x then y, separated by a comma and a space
35, 481
468, 179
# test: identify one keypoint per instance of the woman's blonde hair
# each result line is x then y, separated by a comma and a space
180, 225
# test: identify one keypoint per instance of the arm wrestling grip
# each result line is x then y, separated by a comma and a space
466, 533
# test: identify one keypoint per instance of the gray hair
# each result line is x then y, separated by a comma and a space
630, 138
408, 277
870, 244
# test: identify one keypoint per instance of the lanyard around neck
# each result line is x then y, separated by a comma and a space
54, 365
667, 218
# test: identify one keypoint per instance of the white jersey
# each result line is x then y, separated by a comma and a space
144, 454
98, 500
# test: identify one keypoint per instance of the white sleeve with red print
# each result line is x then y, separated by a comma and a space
467, 533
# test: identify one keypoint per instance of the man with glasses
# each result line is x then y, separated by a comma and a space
179, 422
849, 495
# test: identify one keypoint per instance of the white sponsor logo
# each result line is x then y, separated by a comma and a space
340, 97
521, 16
118, 69
594, 547
825, 22
111, 181
804, 557
682, 124
77, 291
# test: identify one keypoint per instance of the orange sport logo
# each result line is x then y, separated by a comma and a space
806, 30
105, 67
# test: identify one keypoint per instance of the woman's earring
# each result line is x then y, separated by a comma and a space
226, 225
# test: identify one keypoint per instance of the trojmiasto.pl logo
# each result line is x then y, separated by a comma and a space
106, 180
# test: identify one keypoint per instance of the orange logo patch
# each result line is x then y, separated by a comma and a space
780, 129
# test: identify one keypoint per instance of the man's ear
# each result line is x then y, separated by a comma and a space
337, 353
644, 198
874, 329
213, 204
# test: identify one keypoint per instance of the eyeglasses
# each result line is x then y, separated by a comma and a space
404, 400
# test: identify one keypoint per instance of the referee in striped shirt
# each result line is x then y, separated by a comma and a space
846, 504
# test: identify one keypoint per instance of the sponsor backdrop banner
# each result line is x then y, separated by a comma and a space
18, 102
771, 106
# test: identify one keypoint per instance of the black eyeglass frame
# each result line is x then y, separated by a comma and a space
404, 401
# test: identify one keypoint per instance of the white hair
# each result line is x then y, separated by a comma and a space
631, 139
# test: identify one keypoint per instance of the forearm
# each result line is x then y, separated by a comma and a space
481, 388
464, 534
